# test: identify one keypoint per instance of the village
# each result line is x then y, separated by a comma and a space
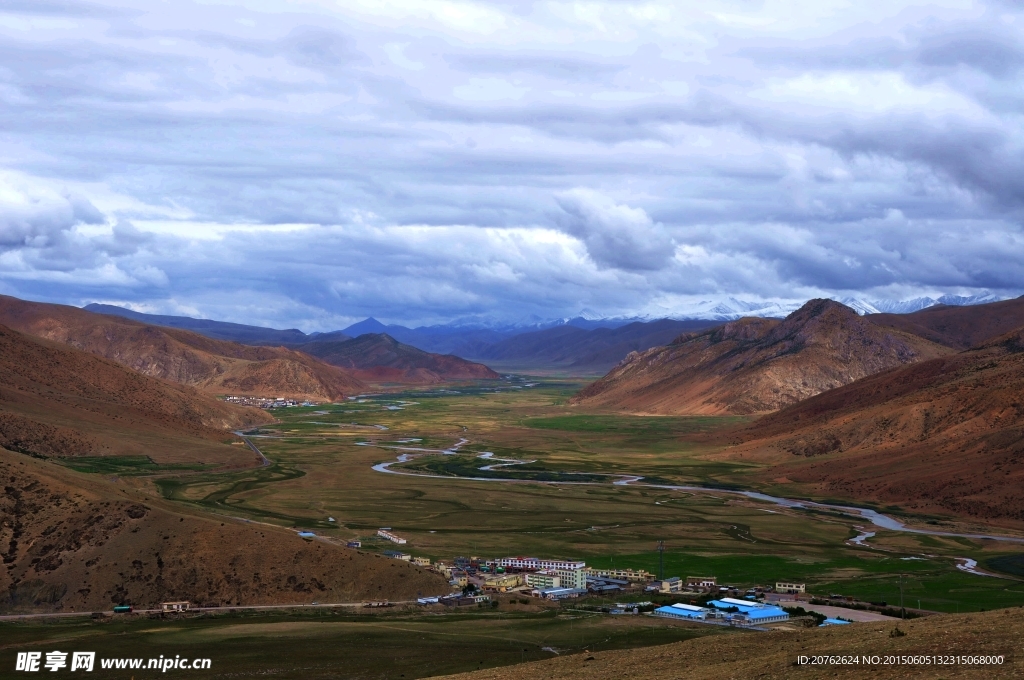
266, 402
698, 599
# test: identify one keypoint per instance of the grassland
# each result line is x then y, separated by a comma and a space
322, 468
126, 465
335, 643
321, 478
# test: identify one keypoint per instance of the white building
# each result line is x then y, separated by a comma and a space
534, 564
384, 533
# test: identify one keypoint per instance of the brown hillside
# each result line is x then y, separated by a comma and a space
756, 365
74, 542
59, 401
958, 327
377, 357
214, 366
943, 435
773, 656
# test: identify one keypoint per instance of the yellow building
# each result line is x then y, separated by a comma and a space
790, 588
421, 561
503, 582
620, 574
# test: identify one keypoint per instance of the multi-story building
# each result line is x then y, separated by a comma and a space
669, 585
542, 580
621, 574
790, 588
572, 578
534, 564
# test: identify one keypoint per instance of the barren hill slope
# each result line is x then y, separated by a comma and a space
58, 401
945, 435
76, 542
773, 655
185, 357
218, 330
377, 357
756, 365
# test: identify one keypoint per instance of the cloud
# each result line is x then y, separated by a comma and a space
616, 235
33, 214
420, 162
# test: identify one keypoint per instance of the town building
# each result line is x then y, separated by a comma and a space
701, 582
384, 533
750, 613
605, 585
572, 578
421, 561
543, 579
534, 564
559, 593
833, 622
354, 544
791, 588
682, 611
673, 584
503, 582
175, 606
394, 554
620, 574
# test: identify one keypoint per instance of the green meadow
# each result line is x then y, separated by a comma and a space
563, 502
336, 643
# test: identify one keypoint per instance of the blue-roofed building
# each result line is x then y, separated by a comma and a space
682, 611
834, 622
759, 616
750, 613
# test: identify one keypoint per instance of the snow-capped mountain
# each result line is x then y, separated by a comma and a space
732, 308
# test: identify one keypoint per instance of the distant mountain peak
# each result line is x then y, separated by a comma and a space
367, 325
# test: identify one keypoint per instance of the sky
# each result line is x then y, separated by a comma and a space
309, 163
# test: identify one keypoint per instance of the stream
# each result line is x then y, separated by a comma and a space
872, 516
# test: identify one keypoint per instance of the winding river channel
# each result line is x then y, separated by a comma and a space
875, 518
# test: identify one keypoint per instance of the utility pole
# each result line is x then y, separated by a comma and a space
903, 612
661, 560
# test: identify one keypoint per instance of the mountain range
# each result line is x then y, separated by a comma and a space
756, 365
226, 366
535, 342
917, 435
379, 358
212, 366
